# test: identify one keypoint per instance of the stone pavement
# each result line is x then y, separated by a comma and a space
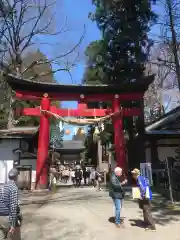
83, 213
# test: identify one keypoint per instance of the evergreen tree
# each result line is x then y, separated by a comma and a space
95, 54
122, 53
125, 44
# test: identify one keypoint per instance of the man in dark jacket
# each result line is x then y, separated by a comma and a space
116, 193
85, 175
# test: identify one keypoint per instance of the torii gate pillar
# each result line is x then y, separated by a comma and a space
119, 134
43, 145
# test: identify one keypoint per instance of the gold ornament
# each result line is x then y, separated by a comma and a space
67, 132
96, 134
82, 131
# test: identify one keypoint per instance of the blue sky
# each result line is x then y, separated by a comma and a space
77, 18
76, 13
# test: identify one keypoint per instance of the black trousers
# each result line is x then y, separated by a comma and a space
93, 182
78, 182
85, 180
73, 180
145, 205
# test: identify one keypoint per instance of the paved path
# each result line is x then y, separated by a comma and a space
75, 214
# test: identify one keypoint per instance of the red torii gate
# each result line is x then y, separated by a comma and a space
28, 90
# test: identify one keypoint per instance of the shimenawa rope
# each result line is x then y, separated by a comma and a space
80, 122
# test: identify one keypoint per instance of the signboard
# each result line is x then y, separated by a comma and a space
146, 171
136, 193
3, 171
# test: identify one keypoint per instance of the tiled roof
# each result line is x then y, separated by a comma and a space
169, 118
18, 132
163, 132
72, 145
26, 85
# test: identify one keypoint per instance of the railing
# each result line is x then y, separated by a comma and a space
161, 181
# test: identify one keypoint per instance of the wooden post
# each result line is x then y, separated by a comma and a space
99, 155
105, 174
43, 145
141, 153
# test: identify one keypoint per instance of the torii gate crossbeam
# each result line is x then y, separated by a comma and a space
79, 112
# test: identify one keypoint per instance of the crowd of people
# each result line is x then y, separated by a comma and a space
79, 176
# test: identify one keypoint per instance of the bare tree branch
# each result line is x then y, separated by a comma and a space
55, 60
26, 25
21, 23
162, 65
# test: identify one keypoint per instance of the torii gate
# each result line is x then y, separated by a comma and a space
47, 92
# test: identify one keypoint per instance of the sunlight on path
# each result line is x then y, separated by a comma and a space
83, 214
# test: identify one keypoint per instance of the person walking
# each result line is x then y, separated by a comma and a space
78, 177
85, 175
145, 201
66, 174
88, 177
98, 181
116, 192
10, 217
52, 172
93, 177
73, 176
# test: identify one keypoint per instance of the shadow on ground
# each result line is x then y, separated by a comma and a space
162, 209
164, 212
112, 219
48, 228
69, 197
137, 223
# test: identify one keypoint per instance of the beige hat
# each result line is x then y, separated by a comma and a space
135, 171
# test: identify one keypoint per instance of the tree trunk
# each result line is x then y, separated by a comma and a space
174, 41
10, 114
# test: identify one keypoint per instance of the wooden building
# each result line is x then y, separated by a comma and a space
163, 137
70, 152
18, 147
163, 151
